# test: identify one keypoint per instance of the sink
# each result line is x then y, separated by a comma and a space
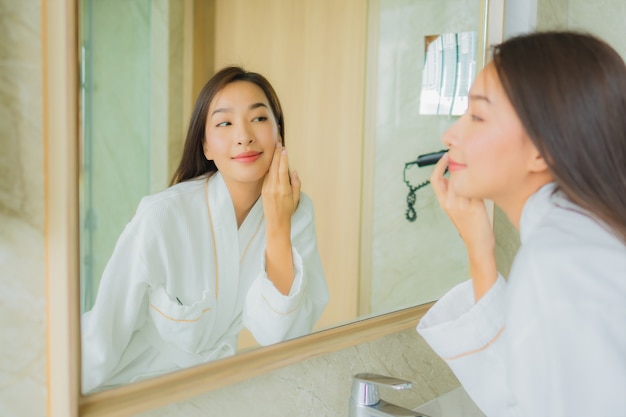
455, 403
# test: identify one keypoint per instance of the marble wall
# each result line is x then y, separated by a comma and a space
604, 18
321, 386
22, 283
21, 158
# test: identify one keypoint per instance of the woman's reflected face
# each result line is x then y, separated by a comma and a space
241, 132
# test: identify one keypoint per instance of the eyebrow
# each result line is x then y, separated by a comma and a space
479, 97
250, 107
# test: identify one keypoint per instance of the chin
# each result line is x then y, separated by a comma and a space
462, 190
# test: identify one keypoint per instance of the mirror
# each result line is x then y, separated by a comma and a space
351, 181
62, 244
139, 77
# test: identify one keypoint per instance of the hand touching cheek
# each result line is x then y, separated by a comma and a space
281, 190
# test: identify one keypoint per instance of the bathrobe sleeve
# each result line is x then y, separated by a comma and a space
119, 309
549, 342
467, 336
271, 316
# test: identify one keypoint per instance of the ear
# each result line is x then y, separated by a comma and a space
537, 162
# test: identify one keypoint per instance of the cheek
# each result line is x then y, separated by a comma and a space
496, 160
267, 135
487, 156
212, 147
271, 130
206, 150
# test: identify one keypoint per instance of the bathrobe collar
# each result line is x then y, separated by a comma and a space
230, 243
540, 203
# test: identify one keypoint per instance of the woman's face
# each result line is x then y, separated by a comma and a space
241, 133
490, 151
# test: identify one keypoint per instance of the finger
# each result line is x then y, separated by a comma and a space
283, 168
440, 167
275, 161
295, 187
437, 179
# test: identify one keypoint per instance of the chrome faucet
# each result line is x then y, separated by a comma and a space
365, 400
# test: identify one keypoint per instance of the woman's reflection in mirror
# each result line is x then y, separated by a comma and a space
544, 138
230, 244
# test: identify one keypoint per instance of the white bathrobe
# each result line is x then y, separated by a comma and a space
183, 281
552, 340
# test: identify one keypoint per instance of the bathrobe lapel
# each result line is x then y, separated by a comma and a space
231, 245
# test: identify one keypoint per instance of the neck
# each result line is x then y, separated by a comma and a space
512, 204
244, 196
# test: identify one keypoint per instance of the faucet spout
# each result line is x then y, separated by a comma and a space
382, 409
365, 400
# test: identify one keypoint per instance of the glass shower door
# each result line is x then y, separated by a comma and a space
423, 56
126, 120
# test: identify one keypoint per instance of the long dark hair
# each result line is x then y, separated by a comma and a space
193, 162
569, 91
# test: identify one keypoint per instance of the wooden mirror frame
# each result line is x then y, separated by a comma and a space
61, 142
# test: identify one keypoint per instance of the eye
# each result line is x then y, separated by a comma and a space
222, 124
260, 119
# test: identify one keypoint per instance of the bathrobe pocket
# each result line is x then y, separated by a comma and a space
184, 326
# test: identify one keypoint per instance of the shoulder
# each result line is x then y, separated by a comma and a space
165, 219
551, 222
570, 248
168, 208
177, 196
568, 226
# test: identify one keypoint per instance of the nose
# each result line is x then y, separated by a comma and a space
451, 135
245, 141
245, 135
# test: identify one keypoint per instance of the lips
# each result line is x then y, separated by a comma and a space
249, 156
455, 166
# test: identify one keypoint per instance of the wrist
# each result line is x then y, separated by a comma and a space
483, 271
278, 238
278, 226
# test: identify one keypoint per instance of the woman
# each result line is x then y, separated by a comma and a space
544, 138
231, 244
